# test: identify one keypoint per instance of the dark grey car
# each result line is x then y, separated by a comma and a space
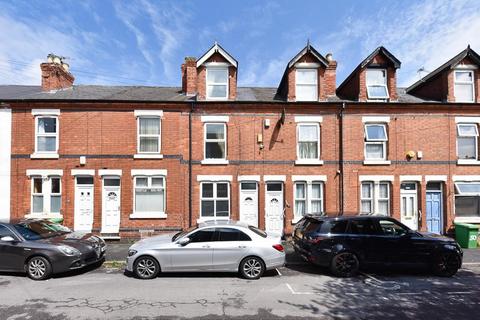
41, 248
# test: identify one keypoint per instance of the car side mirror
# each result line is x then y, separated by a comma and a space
184, 241
7, 239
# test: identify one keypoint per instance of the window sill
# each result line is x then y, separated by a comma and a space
44, 216
309, 162
376, 162
467, 219
148, 156
468, 162
44, 156
214, 161
154, 215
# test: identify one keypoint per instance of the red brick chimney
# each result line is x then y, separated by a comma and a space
189, 76
55, 74
330, 76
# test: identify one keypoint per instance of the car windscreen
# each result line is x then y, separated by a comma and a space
261, 233
35, 230
183, 233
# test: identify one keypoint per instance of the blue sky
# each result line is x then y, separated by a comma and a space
144, 42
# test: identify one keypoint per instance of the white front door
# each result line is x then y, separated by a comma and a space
274, 209
83, 219
409, 205
111, 205
249, 203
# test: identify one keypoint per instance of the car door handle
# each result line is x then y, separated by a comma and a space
242, 247
206, 246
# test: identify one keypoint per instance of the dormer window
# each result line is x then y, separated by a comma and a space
306, 85
464, 87
377, 84
217, 83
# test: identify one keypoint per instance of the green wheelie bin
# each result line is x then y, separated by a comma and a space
466, 235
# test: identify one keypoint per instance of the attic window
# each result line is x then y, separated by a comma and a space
377, 84
306, 85
464, 88
217, 82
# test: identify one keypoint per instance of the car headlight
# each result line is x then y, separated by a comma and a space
69, 251
132, 252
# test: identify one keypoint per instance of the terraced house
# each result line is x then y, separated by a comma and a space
127, 161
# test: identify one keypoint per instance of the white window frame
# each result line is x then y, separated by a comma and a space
215, 198
217, 83
382, 142
457, 193
471, 83
385, 85
38, 135
308, 198
475, 136
375, 197
299, 125
152, 214
300, 84
205, 140
158, 136
46, 194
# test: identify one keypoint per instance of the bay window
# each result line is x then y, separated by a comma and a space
215, 200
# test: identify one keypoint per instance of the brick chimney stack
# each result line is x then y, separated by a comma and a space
330, 76
55, 74
189, 76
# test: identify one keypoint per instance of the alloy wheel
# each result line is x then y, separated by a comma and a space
448, 264
146, 268
252, 268
37, 268
345, 264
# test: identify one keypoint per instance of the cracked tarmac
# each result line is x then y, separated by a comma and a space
300, 292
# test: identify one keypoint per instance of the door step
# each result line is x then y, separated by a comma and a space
110, 236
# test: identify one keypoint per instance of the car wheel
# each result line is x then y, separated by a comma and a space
39, 268
252, 268
344, 264
447, 265
146, 268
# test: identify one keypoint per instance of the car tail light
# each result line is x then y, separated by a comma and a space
314, 239
278, 247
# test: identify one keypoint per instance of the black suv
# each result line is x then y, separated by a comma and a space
344, 244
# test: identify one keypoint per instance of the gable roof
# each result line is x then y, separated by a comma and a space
468, 52
214, 49
396, 63
282, 87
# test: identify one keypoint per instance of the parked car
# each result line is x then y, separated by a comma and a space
227, 246
345, 244
41, 248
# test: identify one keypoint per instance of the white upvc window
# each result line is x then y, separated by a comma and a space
308, 141
46, 134
464, 87
215, 200
149, 196
375, 141
217, 83
375, 198
306, 84
377, 84
149, 135
215, 141
467, 200
467, 141
46, 195
308, 198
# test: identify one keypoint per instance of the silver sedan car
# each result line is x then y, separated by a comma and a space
227, 246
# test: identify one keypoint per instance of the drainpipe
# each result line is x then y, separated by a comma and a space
342, 181
190, 204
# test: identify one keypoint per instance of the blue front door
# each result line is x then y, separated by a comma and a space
434, 212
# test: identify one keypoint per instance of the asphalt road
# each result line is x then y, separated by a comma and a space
294, 292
